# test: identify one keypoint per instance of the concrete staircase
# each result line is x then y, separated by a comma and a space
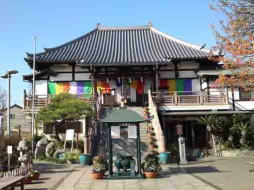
123, 146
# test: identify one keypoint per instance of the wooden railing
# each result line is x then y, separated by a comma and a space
17, 172
42, 101
190, 98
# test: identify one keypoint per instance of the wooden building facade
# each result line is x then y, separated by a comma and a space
111, 63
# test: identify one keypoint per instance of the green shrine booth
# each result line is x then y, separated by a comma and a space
128, 167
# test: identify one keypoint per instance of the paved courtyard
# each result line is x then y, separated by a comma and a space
208, 174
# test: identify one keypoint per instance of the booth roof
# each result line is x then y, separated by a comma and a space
122, 115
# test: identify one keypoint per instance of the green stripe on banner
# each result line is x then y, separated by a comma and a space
88, 89
180, 86
52, 88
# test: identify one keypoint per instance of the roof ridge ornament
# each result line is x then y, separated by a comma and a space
150, 24
98, 25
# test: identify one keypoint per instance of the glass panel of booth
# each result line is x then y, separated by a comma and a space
124, 132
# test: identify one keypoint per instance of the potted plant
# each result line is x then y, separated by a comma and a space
151, 134
35, 174
151, 166
152, 145
99, 167
28, 179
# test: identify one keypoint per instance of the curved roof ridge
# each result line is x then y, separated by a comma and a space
197, 47
141, 27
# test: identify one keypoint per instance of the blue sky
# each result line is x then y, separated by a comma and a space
57, 21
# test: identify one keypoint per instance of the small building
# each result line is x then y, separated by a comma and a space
19, 122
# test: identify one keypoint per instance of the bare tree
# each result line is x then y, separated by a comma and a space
3, 100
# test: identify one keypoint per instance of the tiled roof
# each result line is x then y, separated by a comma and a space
121, 46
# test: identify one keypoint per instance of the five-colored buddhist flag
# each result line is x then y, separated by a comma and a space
179, 86
171, 85
88, 89
51, 88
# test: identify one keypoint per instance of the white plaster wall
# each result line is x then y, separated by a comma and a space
168, 66
166, 74
82, 76
188, 65
61, 68
195, 85
62, 77
41, 88
187, 74
80, 69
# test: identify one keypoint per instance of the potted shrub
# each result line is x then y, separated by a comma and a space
35, 174
151, 166
99, 167
28, 179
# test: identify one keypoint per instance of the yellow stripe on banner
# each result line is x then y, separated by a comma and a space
59, 88
171, 85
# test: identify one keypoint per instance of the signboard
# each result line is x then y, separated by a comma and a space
9, 149
132, 131
179, 129
69, 135
115, 132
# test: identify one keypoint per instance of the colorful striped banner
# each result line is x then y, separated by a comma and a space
76, 88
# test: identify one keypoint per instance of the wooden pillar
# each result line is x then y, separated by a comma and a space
138, 150
233, 97
157, 78
192, 135
110, 152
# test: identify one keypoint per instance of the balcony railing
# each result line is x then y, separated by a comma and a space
43, 100
190, 98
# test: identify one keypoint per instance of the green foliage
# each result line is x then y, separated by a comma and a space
234, 131
100, 164
214, 122
13, 140
72, 156
151, 163
65, 107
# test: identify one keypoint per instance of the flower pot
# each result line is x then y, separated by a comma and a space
151, 146
28, 180
35, 176
151, 174
164, 157
85, 159
99, 175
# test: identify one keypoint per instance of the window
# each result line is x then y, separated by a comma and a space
12, 116
246, 95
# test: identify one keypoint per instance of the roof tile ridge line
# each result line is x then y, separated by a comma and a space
180, 41
47, 50
124, 27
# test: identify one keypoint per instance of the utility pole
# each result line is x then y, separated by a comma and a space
33, 96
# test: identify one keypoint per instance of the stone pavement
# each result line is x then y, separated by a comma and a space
215, 173
224, 173
51, 176
172, 177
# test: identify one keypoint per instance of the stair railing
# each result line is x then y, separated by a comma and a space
156, 123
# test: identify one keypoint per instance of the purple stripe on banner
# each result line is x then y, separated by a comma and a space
80, 87
187, 85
